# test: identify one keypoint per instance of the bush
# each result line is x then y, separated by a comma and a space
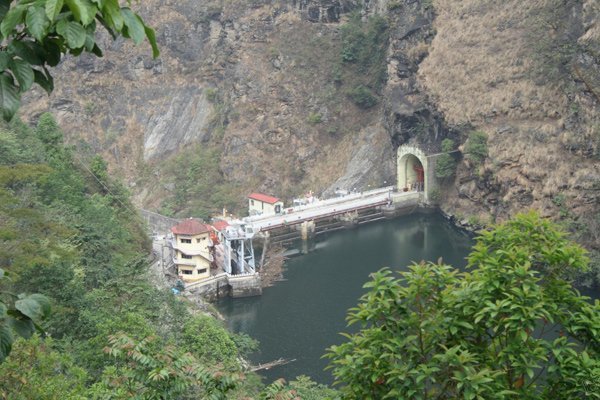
206, 339
448, 145
445, 166
435, 195
364, 46
362, 96
476, 147
211, 95
314, 118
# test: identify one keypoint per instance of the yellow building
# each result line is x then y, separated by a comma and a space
259, 203
192, 250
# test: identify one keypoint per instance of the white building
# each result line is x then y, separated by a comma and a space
262, 204
192, 249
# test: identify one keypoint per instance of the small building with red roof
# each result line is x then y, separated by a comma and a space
263, 204
192, 249
218, 227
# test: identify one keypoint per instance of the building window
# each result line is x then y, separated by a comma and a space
201, 271
198, 240
186, 240
186, 256
251, 202
186, 271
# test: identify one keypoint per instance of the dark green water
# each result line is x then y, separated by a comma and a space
303, 315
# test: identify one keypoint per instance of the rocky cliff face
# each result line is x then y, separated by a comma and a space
259, 81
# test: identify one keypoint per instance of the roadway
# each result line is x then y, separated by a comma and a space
325, 208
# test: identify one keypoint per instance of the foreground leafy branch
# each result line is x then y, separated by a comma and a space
19, 314
147, 370
512, 328
35, 34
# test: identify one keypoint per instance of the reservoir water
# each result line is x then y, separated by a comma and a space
301, 316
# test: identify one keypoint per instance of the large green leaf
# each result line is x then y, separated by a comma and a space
23, 72
35, 306
13, 18
6, 340
4, 7
22, 326
9, 96
90, 38
97, 51
44, 80
36, 22
29, 51
135, 26
152, 39
112, 14
53, 8
73, 32
44, 303
5, 58
83, 10
53, 53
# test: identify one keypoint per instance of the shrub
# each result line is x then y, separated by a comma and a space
364, 45
394, 5
211, 94
315, 118
206, 339
362, 96
448, 145
476, 147
445, 166
435, 195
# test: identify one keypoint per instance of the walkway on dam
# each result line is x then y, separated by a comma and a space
327, 208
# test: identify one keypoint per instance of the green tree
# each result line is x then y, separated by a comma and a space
204, 337
476, 147
445, 166
35, 370
148, 370
362, 96
37, 33
364, 44
512, 328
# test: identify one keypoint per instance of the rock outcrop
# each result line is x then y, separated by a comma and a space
259, 81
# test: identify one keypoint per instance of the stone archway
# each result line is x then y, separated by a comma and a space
413, 170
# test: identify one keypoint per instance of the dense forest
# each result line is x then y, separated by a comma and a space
69, 232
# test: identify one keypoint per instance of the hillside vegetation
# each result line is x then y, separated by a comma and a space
70, 232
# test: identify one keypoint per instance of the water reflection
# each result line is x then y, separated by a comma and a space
303, 315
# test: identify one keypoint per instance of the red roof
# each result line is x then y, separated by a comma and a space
190, 227
220, 225
263, 197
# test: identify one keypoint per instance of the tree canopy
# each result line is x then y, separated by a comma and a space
35, 34
510, 328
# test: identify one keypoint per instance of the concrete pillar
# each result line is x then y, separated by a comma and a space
307, 229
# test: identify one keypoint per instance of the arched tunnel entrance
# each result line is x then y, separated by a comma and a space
411, 174
412, 170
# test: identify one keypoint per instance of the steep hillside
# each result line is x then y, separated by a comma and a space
287, 96
254, 83
527, 75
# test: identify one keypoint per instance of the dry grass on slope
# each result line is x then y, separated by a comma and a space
480, 59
